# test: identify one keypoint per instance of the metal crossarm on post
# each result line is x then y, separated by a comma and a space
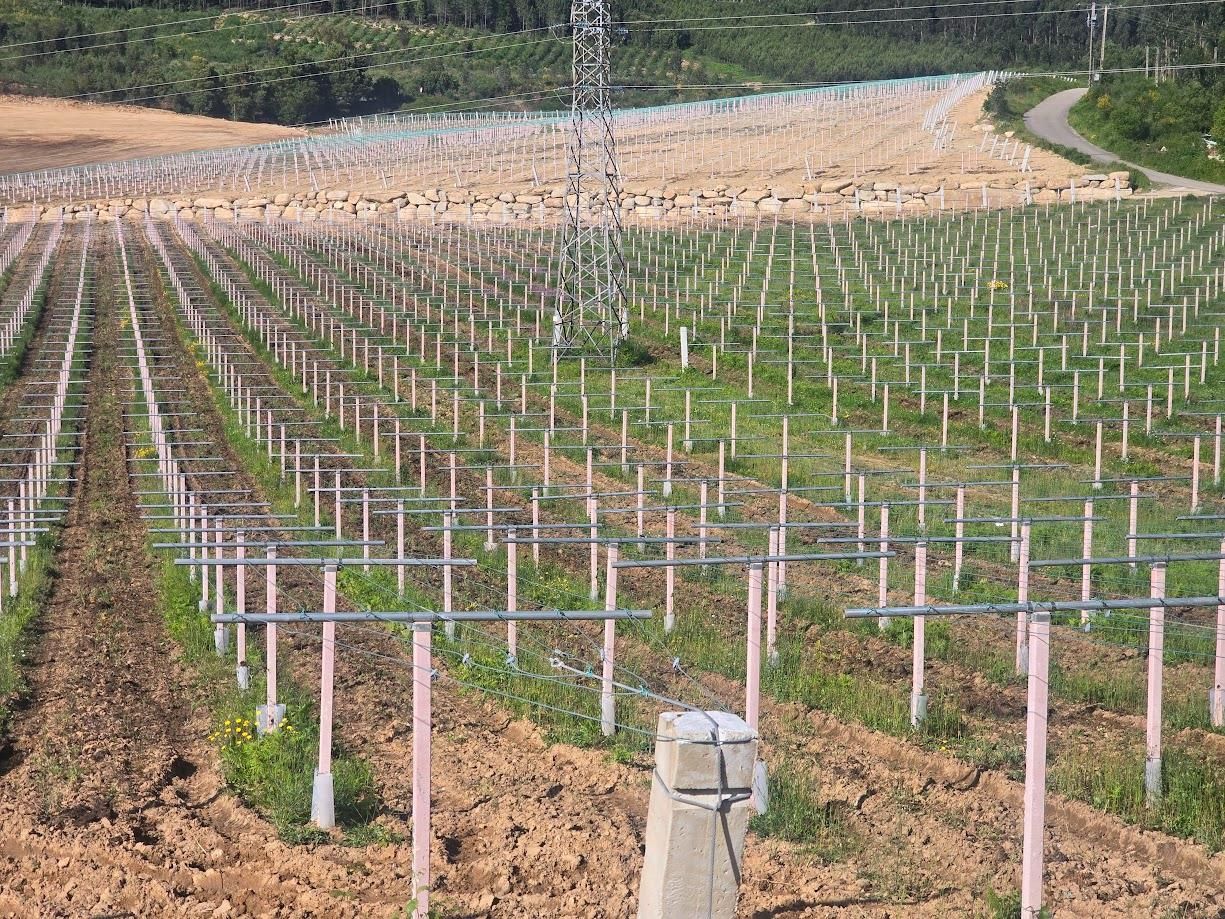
757, 567
1039, 619
752, 559
547, 615
337, 562
1049, 606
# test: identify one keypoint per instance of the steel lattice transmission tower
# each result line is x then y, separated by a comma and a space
591, 316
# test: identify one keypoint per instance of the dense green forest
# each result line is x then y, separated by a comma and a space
314, 60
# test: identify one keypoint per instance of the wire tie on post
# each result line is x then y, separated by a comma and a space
722, 799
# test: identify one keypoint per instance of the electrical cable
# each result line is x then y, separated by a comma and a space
736, 17
211, 17
365, 56
151, 38
369, 63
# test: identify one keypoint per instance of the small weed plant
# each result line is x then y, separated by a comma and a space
796, 815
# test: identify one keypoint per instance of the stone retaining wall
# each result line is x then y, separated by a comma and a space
639, 202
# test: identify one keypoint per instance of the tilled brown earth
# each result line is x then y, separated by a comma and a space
111, 802
933, 858
936, 832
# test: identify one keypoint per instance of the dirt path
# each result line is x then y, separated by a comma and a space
503, 797
91, 746
110, 802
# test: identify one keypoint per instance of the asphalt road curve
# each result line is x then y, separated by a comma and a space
1049, 120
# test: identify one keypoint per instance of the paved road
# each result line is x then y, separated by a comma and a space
1049, 119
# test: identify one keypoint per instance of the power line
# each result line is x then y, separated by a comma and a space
798, 84
1144, 16
811, 13
624, 22
366, 62
151, 38
332, 60
152, 25
295, 76
903, 19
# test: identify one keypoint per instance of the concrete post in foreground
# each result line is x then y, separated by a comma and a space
699, 813
1216, 698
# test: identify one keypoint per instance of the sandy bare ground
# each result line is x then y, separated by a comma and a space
764, 144
40, 133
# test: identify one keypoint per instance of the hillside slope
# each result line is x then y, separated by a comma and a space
318, 60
